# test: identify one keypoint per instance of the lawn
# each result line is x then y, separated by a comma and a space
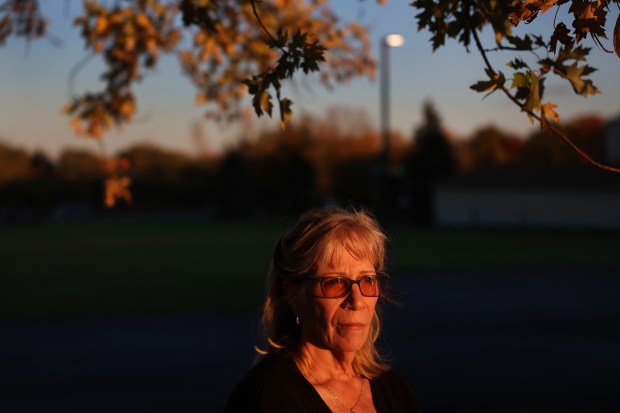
157, 267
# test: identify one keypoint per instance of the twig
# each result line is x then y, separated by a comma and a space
53, 39
74, 71
262, 25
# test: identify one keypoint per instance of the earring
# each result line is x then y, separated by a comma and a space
298, 320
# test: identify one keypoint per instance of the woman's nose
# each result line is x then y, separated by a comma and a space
355, 299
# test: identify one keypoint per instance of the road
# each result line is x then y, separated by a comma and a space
494, 341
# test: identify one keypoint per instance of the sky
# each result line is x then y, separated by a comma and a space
34, 86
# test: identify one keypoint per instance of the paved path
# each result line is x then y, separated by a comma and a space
484, 341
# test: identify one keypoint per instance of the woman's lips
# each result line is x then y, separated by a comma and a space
352, 326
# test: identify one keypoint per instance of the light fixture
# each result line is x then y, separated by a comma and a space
394, 40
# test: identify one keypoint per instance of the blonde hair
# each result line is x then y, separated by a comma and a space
313, 241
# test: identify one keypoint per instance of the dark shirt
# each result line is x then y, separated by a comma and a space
275, 385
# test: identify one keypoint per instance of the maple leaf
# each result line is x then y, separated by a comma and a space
581, 86
547, 110
529, 89
547, 113
517, 64
520, 43
116, 189
262, 102
286, 114
497, 80
562, 35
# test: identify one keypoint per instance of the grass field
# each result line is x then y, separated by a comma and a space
149, 266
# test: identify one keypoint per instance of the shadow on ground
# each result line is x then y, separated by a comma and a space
495, 341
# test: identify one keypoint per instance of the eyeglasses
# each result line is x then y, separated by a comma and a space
338, 287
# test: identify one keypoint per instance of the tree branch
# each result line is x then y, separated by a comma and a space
554, 129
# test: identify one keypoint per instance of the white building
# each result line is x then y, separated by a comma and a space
612, 141
575, 196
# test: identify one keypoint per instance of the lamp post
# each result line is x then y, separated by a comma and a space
391, 40
385, 181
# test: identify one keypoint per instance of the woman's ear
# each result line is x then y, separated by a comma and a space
291, 292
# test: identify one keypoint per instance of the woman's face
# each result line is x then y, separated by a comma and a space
339, 324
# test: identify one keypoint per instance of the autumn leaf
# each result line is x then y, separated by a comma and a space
520, 43
101, 25
286, 114
142, 20
560, 34
262, 102
517, 64
76, 125
117, 189
547, 112
574, 74
127, 108
497, 80
529, 90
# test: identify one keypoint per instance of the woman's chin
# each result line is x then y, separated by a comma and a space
351, 342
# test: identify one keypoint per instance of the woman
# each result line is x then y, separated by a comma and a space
320, 321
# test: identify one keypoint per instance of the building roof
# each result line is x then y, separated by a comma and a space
537, 177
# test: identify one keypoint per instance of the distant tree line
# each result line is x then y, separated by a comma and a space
312, 162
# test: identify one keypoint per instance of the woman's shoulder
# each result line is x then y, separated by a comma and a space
272, 367
273, 384
392, 393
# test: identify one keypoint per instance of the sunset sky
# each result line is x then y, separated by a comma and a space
34, 86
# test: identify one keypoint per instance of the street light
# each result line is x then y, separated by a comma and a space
385, 179
391, 40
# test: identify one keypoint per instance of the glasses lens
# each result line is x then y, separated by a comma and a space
369, 286
334, 287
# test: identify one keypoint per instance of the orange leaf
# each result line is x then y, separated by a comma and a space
76, 125
117, 189
151, 45
101, 24
201, 98
549, 112
142, 20
95, 129
98, 46
127, 108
